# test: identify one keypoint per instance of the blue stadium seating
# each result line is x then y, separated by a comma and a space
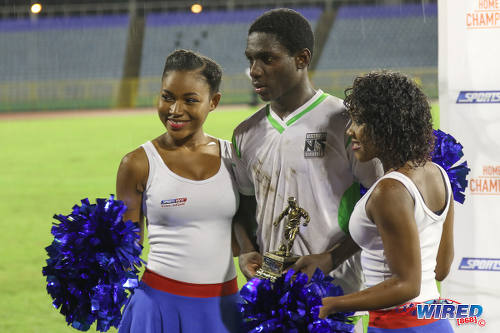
63, 48
391, 36
220, 35
69, 59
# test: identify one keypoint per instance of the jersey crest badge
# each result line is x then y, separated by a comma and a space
315, 144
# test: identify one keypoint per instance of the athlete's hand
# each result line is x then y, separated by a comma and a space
249, 263
308, 264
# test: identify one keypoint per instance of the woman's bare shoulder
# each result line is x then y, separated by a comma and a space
388, 197
135, 162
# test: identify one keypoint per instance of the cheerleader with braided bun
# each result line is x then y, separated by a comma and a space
181, 183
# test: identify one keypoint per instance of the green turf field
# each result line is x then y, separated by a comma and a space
47, 166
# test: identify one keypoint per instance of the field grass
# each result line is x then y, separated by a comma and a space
48, 165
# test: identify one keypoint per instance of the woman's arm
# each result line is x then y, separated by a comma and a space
328, 260
446, 249
130, 184
391, 208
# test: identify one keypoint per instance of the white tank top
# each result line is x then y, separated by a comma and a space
430, 226
189, 221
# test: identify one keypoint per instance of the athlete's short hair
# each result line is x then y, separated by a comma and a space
397, 116
291, 29
187, 60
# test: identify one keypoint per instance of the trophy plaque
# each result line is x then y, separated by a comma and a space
276, 262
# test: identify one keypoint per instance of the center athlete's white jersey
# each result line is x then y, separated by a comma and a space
306, 155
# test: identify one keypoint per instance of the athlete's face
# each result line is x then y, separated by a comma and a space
363, 148
185, 103
273, 70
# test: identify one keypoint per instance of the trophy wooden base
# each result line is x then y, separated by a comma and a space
273, 265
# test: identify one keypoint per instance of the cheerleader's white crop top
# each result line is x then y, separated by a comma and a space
189, 221
430, 226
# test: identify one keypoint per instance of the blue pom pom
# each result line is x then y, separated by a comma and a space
93, 260
291, 304
362, 190
447, 151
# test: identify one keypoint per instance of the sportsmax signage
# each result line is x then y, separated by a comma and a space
469, 97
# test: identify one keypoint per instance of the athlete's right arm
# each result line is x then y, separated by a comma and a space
244, 226
244, 222
130, 184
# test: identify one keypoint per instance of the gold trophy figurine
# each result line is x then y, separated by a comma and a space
274, 263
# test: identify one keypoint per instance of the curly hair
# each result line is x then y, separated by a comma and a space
186, 60
291, 29
396, 114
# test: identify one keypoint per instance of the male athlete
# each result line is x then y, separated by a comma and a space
296, 146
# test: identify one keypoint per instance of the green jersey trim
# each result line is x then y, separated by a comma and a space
274, 123
309, 108
233, 140
346, 206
